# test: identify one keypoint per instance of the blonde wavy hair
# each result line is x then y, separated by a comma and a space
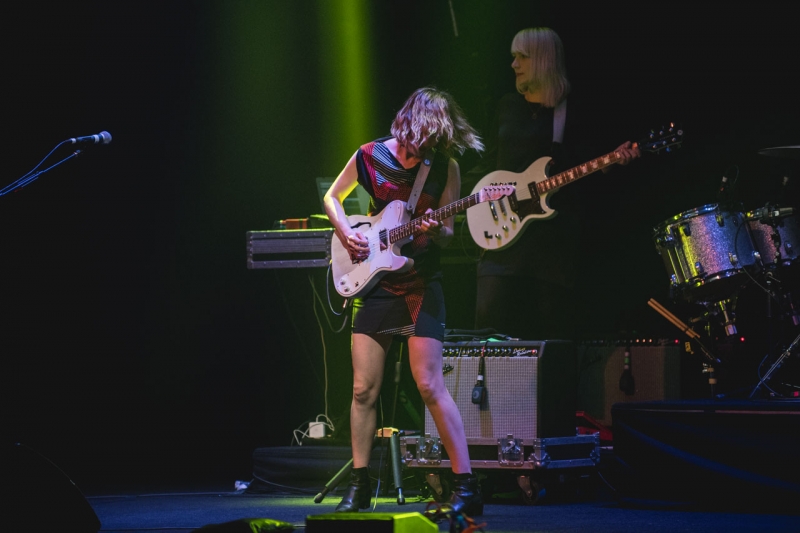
432, 118
549, 72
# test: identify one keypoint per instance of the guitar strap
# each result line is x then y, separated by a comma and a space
419, 181
559, 118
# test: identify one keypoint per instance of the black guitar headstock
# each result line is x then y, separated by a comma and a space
663, 139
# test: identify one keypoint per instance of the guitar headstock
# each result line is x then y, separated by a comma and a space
495, 192
665, 138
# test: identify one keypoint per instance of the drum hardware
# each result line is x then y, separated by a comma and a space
689, 332
786, 353
708, 367
792, 311
724, 311
776, 232
712, 377
784, 298
726, 308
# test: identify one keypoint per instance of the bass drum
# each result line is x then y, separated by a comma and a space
706, 251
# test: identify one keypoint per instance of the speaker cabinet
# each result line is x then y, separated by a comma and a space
656, 374
530, 389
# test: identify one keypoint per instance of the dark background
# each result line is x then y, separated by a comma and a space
136, 343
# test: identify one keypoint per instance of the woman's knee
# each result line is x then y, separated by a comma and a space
365, 394
430, 390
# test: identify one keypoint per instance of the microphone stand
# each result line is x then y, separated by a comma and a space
31, 176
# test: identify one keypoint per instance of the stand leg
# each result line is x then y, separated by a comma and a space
712, 378
334, 482
775, 366
394, 447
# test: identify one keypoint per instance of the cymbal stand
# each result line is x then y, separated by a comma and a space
776, 365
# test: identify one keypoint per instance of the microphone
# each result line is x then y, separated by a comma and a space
479, 390
101, 138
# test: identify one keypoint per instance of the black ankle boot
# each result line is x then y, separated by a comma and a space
358, 492
466, 497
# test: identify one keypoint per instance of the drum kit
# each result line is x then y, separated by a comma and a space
713, 251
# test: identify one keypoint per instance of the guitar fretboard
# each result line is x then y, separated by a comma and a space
406, 230
576, 173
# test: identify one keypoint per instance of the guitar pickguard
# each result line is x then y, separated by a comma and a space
535, 201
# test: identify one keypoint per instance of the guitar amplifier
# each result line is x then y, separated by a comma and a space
302, 248
530, 389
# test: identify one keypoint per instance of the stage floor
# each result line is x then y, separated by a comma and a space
663, 450
164, 510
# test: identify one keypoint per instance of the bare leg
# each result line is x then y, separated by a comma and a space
369, 356
425, 358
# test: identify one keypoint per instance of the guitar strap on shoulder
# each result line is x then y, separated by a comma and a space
419, 181
559, 118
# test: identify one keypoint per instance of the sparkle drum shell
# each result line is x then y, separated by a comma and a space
705, 251
780, 251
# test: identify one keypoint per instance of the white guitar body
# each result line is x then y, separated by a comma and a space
498, 224
387, 232
356, 278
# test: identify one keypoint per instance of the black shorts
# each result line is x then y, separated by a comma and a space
383, 313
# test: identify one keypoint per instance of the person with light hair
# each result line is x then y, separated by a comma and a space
527, 289
429, 129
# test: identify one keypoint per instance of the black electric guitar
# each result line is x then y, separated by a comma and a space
498, 224
387, 232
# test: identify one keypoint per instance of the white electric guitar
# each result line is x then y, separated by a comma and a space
500, 223
387, 232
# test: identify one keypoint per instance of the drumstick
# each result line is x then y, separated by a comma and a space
683, 327
666, 314
672, 318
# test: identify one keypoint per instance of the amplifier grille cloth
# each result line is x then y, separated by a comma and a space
511, 406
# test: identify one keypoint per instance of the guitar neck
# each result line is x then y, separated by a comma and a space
576, 173
406, 230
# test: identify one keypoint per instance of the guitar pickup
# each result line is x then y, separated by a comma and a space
494, 211
503, 207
